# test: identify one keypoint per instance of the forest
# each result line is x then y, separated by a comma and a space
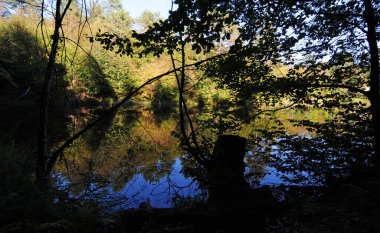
225, 116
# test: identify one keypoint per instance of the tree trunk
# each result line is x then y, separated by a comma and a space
374, 75
42, 153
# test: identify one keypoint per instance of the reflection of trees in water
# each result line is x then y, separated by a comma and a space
311, 145
130, 144
96, 135
341, 145
134, 143
157, 169
161, 114
223, 118
255, 168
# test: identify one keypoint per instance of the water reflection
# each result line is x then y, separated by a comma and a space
135, 157
164, 192
133, 143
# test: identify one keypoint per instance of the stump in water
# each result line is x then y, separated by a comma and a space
226, 173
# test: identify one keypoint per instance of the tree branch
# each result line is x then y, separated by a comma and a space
87, 53
59, 152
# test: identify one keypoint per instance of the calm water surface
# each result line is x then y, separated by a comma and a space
134, 156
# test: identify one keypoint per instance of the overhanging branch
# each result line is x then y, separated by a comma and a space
59, 152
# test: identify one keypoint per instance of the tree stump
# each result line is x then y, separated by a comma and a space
225, 175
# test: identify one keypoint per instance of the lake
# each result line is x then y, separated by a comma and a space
134, 157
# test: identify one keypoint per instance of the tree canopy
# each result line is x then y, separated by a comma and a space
319, 53
326, 45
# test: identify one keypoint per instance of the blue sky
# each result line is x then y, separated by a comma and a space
136, 7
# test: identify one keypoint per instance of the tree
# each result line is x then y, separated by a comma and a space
327, 45
147, 19
42, 169
63, 32
117, 18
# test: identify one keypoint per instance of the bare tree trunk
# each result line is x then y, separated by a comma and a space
42, 148
374, 75
42, 154
183, 111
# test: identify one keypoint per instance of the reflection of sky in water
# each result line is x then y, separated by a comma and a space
272, 177
160, 193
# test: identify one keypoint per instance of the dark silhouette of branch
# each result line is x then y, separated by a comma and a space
181, 116
65, 10
183, 109
192, 134
87, 53
41, 25
80, 32
42, 156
